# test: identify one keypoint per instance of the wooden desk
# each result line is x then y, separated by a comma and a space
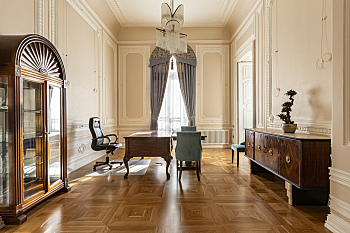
148, 144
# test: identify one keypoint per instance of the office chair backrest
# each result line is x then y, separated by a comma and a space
189, 146
96, 131
188, 128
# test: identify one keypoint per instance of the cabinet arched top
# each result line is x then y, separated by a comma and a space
33, 52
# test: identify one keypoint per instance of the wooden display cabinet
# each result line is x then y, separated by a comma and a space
33, 130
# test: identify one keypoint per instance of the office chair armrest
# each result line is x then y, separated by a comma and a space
109, 140
114, 135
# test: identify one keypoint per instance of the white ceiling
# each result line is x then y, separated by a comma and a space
198, 13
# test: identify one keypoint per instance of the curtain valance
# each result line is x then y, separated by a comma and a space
160, 56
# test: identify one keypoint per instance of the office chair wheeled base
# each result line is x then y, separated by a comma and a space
107, 162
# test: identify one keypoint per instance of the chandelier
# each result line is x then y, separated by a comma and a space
170, 38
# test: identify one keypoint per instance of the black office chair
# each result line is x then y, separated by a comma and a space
98, 144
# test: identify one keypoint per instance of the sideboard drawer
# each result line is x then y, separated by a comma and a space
271, 152
259, 146
249, 143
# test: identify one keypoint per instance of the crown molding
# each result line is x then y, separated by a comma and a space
125, 21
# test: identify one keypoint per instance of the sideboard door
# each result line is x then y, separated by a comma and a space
289, 153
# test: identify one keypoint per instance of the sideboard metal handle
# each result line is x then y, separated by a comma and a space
248, 143
288, 159
259, 147
271, 152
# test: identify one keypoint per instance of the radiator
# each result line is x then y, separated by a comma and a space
216, 138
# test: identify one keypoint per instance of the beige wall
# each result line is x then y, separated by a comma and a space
297, 38
9, 12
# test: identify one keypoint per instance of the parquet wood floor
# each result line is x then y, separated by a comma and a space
227, 199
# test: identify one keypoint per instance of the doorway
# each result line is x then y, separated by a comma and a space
245, 93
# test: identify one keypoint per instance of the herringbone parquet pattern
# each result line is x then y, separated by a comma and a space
227, 199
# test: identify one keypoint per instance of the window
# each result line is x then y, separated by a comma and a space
173, 111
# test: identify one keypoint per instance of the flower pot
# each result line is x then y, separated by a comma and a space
289, 128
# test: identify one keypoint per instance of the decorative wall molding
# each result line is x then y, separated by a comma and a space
124, 120
246, 19
107, 41
268, 63
337, 224
346, 78
39, 17
52, 21
307, 126
85, 11
126, 21
339, 176
223, 50
334, 222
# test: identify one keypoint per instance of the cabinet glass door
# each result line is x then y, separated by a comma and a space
54, 133
4, 161
32, 138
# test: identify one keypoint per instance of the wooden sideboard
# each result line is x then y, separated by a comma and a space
302, 160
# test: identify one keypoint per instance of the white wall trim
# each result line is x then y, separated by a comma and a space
52, 21
340, 206
246, 19
346, 73
107, 41
85, 11
124, 120
39, 17
223, 50
334, 222
339, 176
337, 224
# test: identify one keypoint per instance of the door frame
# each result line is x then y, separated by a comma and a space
240, 57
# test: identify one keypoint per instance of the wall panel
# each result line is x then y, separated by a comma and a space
133, 88
212, 100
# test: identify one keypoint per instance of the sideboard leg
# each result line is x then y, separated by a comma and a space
298, 196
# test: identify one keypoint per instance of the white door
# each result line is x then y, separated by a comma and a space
245, 98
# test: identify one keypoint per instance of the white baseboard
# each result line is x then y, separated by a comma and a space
339, 218
337, 224
339, 176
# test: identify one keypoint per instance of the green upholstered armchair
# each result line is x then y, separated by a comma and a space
188, 128
189, 148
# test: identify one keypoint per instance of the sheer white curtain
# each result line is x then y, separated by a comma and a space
173, 112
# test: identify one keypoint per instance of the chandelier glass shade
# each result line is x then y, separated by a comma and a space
170, 38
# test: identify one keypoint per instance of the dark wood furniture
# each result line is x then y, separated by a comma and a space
98, 143
148, 144
33, 131
302, 160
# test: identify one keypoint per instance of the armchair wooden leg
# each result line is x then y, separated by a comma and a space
197, 170
180, 170
233, 155
200, 166
237, 159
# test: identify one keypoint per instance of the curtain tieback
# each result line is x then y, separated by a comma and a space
192, 117
154, 118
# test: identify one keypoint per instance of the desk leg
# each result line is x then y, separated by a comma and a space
126, 162
167, 160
